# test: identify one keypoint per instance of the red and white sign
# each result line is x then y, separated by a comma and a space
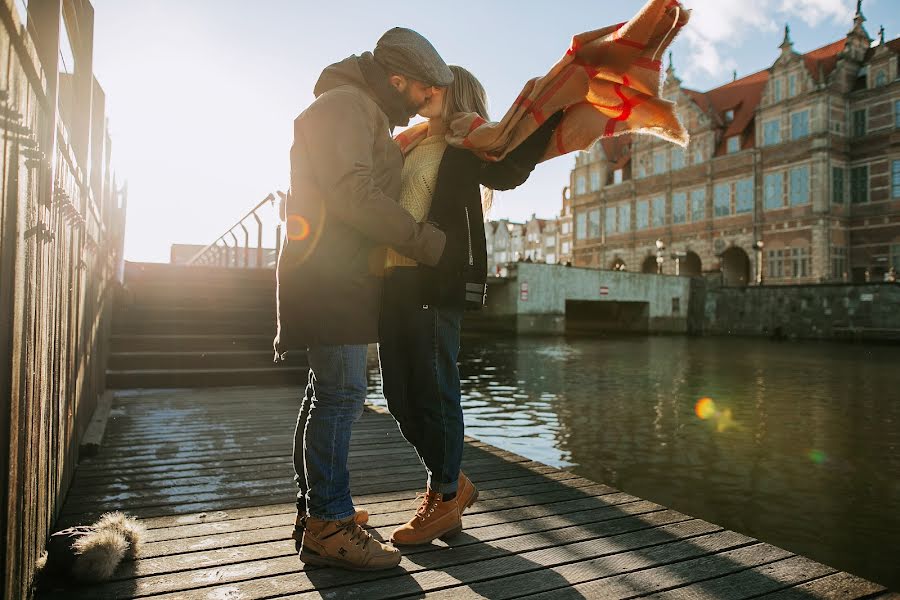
523, 291
604, 291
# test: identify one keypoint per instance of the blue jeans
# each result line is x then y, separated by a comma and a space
334, 399
418, 350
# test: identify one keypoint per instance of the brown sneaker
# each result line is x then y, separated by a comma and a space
361, 517
466, 493
434, 519
346, 545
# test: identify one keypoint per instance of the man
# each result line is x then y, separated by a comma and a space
342, 212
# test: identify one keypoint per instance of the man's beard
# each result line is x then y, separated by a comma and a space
412, 107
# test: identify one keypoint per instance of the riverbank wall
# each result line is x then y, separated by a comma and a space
538, 299
869, 312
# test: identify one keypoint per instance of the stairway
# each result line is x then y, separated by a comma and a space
178, 326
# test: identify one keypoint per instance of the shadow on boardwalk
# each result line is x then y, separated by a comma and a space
209, 472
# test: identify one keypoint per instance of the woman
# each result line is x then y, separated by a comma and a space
422, 307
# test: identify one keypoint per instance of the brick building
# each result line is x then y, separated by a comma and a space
792, 175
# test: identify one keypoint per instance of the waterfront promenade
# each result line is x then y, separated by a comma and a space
209, 473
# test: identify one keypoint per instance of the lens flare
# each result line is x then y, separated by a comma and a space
817, 457
297, 228
705, 408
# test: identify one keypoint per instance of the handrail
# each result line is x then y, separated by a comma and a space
212, 254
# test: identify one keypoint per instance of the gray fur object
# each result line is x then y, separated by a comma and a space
91, 554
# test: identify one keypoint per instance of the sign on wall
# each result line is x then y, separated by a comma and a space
523, 291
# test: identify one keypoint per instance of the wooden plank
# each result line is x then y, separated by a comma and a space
839, 586
220, 528
93, 437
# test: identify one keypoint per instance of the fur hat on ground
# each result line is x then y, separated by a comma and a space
91, 553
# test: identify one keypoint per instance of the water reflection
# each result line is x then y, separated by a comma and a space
809, 460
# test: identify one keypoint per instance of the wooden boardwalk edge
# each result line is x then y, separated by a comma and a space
209, 473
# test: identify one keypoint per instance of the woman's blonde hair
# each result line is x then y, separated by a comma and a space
467, 95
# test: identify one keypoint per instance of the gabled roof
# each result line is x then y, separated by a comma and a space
825, 58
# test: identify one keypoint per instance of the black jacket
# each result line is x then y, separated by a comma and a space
459, 279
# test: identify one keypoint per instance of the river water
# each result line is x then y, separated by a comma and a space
796, 444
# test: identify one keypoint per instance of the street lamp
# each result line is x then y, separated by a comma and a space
758, 246
677, 256
660, 249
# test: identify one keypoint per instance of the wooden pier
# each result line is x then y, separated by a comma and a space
209, 473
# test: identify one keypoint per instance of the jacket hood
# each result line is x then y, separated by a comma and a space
345, 72
363, 72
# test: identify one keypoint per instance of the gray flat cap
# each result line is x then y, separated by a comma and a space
408, 53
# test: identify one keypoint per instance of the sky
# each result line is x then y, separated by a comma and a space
201, 94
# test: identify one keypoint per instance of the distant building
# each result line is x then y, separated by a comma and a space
792, 175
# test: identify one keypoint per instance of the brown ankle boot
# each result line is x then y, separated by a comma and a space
435, 518
466, 493
346, 545
361, 517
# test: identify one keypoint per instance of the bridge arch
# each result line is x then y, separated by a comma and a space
617, 264
649, 264
691, 265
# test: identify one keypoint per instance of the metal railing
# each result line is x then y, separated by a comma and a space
60, 249
228, 251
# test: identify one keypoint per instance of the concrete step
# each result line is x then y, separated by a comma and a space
128, 361
195, 326
150, 312
180, 378
191, 343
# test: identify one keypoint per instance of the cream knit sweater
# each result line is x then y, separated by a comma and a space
417, 182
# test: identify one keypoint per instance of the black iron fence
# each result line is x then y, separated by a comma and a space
237, 249
61, 231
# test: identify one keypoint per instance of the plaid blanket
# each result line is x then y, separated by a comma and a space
607, 83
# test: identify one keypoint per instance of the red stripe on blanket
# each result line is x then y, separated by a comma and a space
476, 123
559, 144
647, 63
630, 43
539, 103
573, 48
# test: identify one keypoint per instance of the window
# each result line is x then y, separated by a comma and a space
659, 162
642, 215
799, 186
641, 169
595, 181
729, 115
799, 263
777, 90
743, 191
722, 199
799, 124
734, 144
775, 262
897, 113
677, 158
594, 223
771, 133
579, 184
565, 247
858, 127
659, 211
895, 257
838, 262
625, 218
792, 86
880, 78
895, 179
859, 184
611, 220
617, 176
698, 155
580, 226
565, 228
679, 207
676, 306
698, 205
774, 191
838, 195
